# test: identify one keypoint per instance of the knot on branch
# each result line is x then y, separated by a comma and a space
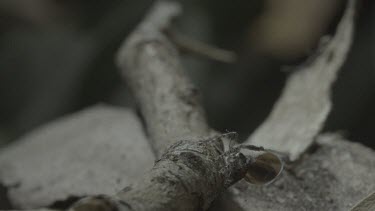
204, 169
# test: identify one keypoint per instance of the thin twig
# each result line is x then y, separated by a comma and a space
199, 48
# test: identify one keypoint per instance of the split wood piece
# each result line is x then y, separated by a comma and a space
304, 105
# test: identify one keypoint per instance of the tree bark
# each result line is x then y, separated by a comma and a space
195, 168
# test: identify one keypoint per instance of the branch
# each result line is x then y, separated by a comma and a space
151, 67
192, 171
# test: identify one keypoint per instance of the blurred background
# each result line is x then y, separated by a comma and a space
57, 57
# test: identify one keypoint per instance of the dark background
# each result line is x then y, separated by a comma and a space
57, 57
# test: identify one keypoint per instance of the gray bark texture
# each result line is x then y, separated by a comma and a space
332, 175
103, 150
96, 151
151, 67
366, 204
305, 103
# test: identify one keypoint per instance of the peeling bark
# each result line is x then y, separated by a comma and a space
193, 167
305, 103
333, 175
96, 151
367, 203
